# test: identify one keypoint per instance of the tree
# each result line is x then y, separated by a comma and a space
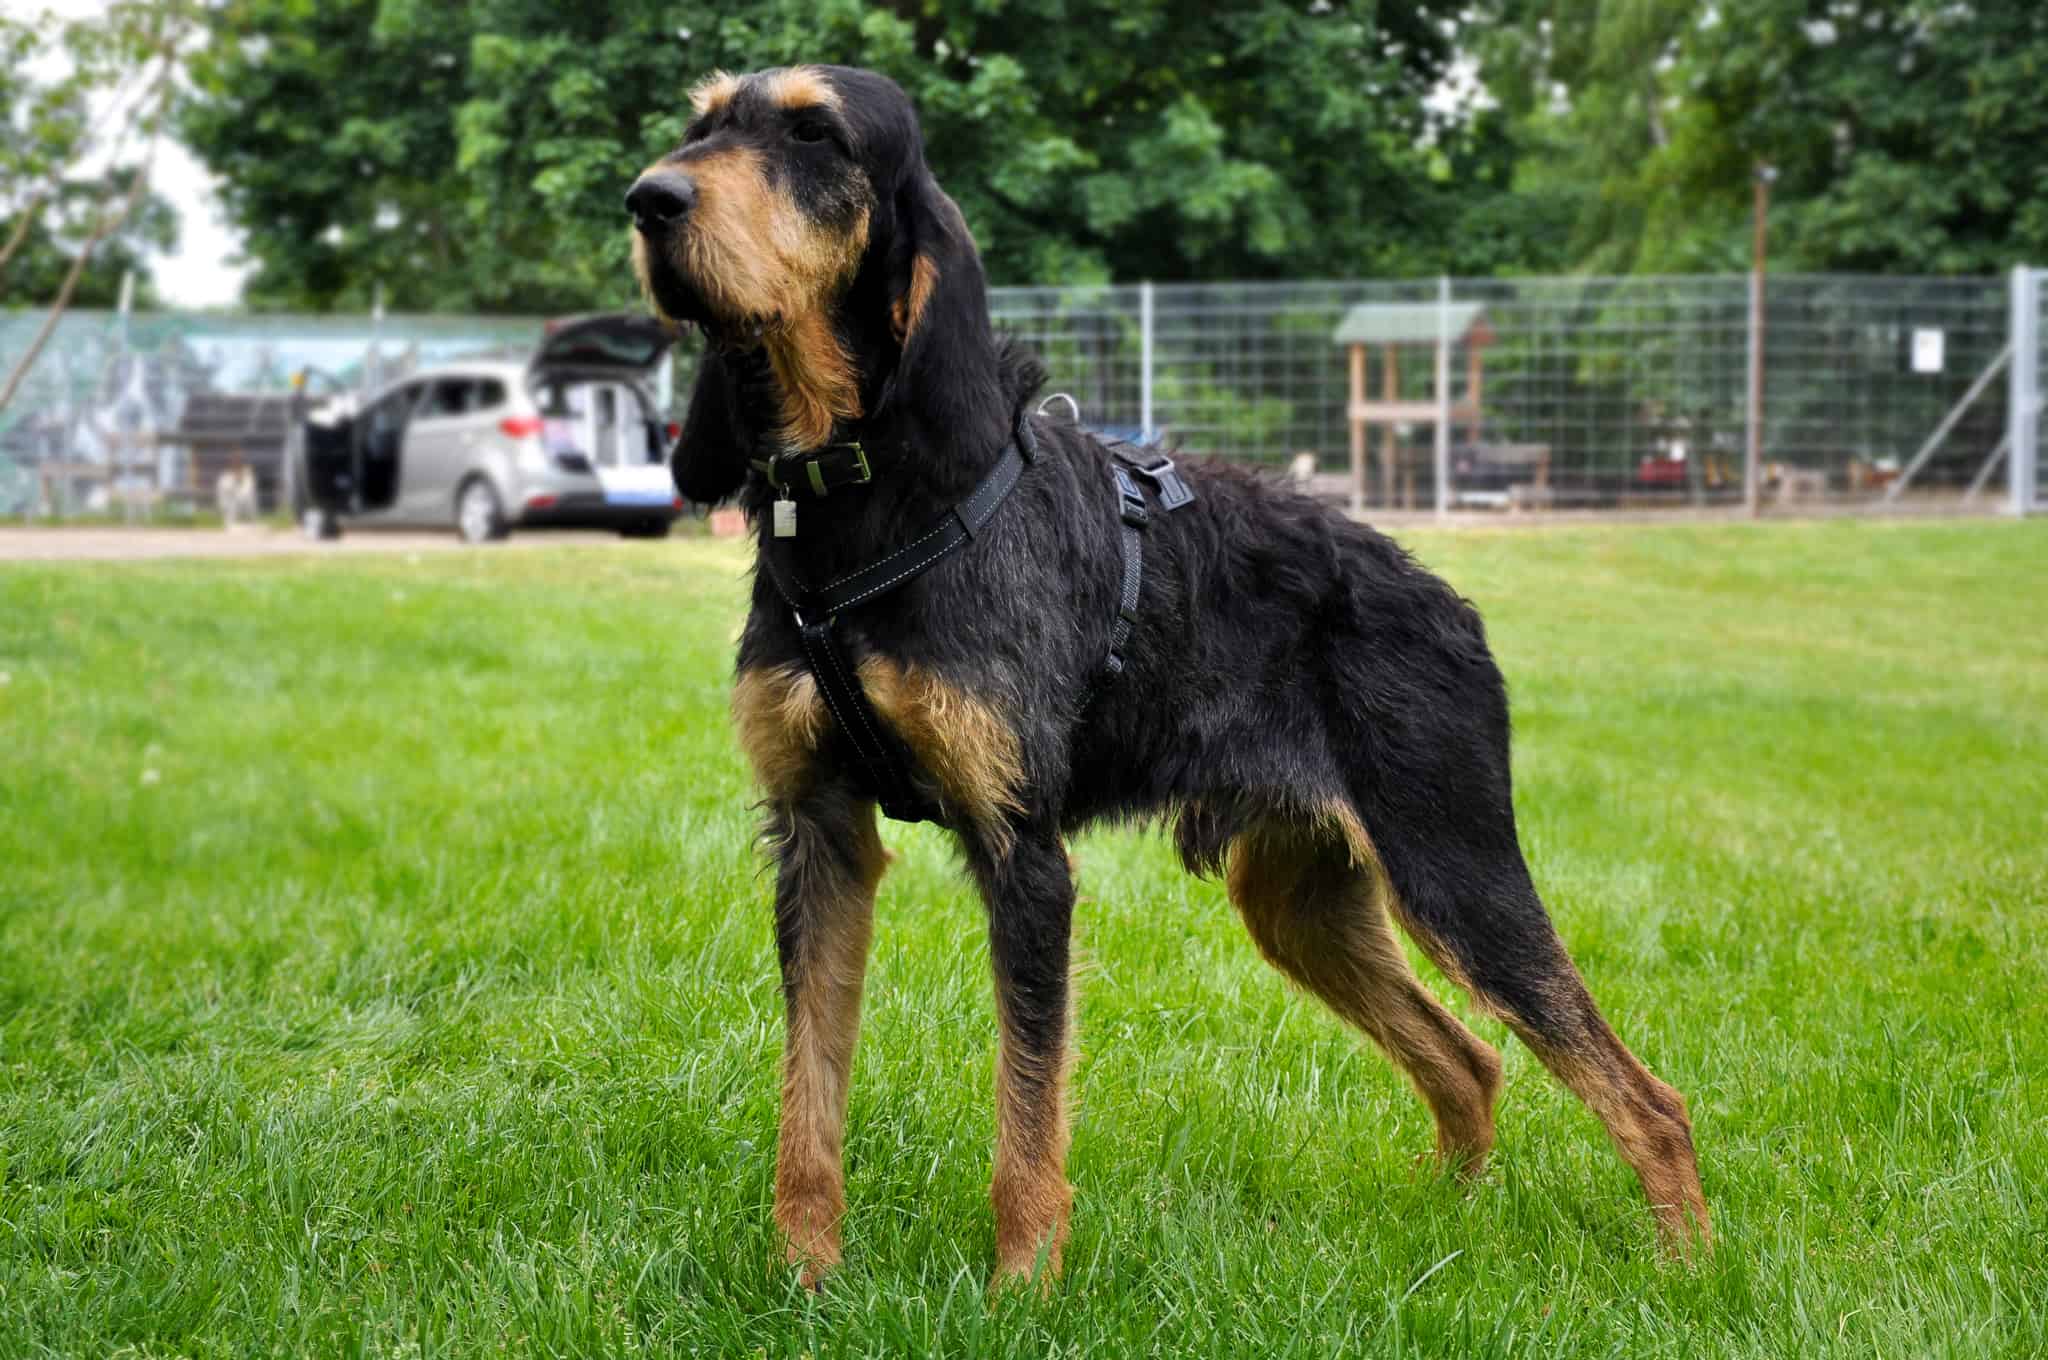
1906, 133
132, 49
472, 155
47, 248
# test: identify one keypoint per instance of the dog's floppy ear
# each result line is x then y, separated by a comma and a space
938, 296
709, 461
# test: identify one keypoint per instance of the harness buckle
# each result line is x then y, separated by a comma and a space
1173, 492
1131, 501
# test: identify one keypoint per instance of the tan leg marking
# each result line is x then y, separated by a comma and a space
835, 892
957, 739
780, 718
1316, 904
1033, 1201
1646, 1118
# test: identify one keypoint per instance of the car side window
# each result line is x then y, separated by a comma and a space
383, 422
490, 394
449, 397
388, 415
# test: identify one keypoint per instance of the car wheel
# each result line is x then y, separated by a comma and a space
479, 518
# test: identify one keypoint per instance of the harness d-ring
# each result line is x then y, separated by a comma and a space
1072, 405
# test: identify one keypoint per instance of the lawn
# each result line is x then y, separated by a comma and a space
385, 969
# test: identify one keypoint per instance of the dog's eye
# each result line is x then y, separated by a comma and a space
810, 130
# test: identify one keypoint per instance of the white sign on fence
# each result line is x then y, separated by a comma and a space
1929, 349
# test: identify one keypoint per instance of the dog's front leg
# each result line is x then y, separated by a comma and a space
828, 860
1030, 897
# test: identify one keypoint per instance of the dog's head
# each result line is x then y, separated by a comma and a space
798, 215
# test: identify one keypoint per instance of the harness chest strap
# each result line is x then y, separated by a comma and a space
816, 611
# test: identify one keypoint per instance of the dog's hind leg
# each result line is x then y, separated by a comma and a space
1464, 893
1314, 901
1030, 898
828, 860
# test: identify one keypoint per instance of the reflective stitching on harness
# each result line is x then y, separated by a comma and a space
831, 656
894, 781
838, 664
908, 572
851, 574
830, 700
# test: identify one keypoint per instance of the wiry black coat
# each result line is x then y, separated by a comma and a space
1285, 658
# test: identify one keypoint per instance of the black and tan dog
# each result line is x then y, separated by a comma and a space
1317, 716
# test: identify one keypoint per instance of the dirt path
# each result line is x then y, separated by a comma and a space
144, 545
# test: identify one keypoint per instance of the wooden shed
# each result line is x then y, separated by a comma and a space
219, 429
1391, 327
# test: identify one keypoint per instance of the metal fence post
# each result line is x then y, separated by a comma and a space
1753, 420
1443, 395
2023, 391
1147, 433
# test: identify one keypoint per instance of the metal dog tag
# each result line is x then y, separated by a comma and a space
785, 519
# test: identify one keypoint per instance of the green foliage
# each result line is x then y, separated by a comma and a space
72, 92
51, 246
386, 969
472, 155
1906, 133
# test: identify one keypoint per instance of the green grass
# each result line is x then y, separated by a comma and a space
385, 969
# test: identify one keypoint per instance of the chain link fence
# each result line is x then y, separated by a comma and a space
1460, 394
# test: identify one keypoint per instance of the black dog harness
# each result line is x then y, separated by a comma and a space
817, 610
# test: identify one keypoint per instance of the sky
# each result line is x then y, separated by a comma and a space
200, 271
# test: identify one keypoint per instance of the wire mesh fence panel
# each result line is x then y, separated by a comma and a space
2035, 488
97, 417
1090, 339
1557, 392
1601, 392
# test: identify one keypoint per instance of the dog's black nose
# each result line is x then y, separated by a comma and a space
661, 198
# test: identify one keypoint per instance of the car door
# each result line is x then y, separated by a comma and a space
635, 467
438, 443
380, 447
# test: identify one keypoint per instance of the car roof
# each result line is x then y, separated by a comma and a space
513, 372
463, 368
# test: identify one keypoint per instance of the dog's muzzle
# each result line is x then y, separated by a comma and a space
659, 200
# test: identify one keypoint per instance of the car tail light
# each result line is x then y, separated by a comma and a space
675, 431
520, 427
676, 504
540, 502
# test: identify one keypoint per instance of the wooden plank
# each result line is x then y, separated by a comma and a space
1357, 430
1390, 446
1408, 412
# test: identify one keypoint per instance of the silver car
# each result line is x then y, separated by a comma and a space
570, 437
